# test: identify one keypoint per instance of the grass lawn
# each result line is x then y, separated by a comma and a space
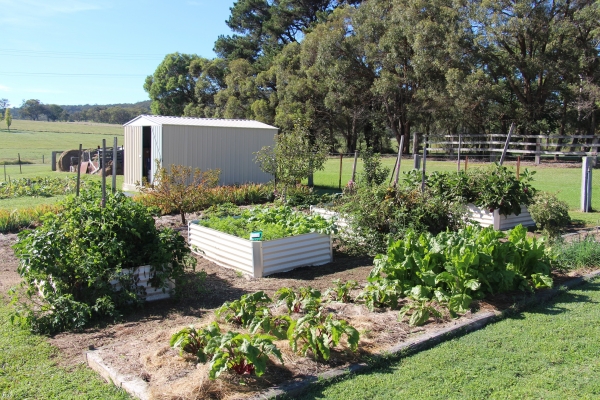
566, 182
32, 139
28, 369
548, 352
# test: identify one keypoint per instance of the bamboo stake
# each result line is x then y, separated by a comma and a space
399, 161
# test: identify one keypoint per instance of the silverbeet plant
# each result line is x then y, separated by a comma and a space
244, 354
319, 333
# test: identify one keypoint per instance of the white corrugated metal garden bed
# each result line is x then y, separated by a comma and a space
498, 221
260, 258
142, 276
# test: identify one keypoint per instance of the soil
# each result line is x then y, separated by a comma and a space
139, 345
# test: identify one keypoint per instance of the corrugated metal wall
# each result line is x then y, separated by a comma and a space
499, 222
229, 149
133, 157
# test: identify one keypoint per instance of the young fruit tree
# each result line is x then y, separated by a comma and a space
179, 188
8, 118
293, 157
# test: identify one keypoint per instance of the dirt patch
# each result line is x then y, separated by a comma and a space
139, 346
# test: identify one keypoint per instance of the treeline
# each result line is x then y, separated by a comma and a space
113, 113
365, 71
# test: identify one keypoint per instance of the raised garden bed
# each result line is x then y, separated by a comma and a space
498, 221
260, 258
142, 276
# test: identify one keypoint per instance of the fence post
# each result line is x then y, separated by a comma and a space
537, 151
43, 161
416, 161
4, 172
586, 184
20, 170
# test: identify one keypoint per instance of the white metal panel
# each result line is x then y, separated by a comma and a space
143, 275
261, 258
499, 222
231, 150
132, 153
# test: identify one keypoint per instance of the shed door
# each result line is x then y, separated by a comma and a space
156, 148
133, 156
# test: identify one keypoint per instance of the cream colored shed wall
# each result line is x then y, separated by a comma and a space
229, 149
132, 148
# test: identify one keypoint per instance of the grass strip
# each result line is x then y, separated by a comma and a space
546, 352
28, 369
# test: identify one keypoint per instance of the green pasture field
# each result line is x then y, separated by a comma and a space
34, 139
565, 182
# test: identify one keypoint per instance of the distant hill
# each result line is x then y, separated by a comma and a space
106, 113
140, 104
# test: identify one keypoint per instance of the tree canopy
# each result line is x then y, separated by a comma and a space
362, 72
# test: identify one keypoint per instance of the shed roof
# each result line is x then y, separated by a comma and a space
190, 121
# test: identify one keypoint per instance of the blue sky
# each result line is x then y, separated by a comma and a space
98, 51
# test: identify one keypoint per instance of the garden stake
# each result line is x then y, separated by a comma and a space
424, 162
43, 159
518, 166
4, 172
399, 160
466, 162
114, 166
78, 172
103, 173
354, 166
341, 160
20, 171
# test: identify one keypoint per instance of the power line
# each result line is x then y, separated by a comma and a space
77, 55
72, 75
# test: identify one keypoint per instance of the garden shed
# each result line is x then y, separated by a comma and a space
225, 144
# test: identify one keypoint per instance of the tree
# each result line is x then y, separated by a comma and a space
32, 108
179, 188
293, 157
172, 87
4, 104
8, 118
53, 111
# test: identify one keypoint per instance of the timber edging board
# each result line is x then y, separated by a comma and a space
260, 258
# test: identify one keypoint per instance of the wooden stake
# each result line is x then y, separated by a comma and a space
78, 172
459, 146
399, 161
518, 166
341, 163
103, 173
354, 165
466, 162
4, 172
510, 132
20, 170
114, 167
424, 165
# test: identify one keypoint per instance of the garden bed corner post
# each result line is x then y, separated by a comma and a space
257, 259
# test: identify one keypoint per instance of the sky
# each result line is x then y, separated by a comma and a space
72, 52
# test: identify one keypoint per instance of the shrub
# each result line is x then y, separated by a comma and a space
69, 261
550, 214
373, 172
179, 188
